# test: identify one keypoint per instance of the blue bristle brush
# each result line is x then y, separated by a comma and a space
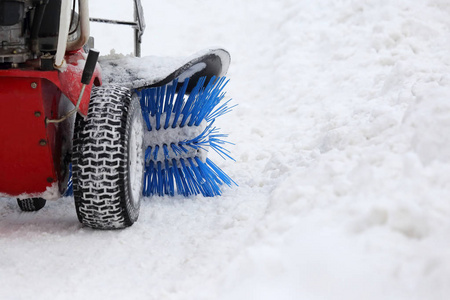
180, 133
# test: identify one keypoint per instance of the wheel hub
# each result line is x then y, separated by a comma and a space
136, 159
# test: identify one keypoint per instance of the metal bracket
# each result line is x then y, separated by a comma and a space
138, 24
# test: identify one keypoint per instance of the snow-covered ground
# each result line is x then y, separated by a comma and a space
343, 164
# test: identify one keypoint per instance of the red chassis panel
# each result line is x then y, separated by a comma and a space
29, 158
26, 144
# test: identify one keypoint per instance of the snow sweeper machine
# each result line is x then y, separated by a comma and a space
107, 133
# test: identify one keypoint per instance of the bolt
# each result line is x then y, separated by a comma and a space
37, 114
42, 142
33, 85
49, 179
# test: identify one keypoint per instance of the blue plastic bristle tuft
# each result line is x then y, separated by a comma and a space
180, 132
69, 188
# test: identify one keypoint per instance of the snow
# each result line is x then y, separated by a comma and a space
50, 193
343, 165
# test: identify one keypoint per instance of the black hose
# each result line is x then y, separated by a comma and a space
72, 18
37, 21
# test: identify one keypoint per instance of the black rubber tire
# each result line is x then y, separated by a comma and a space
31, 204
102, 164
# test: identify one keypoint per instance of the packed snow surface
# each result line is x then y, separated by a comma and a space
343, 164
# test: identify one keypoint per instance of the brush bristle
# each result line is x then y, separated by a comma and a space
180, 132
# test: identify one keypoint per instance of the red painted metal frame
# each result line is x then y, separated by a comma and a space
29, 155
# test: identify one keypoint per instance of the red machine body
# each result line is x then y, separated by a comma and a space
30, 149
